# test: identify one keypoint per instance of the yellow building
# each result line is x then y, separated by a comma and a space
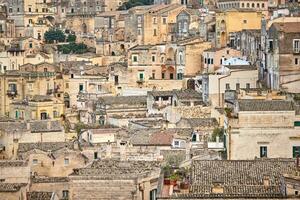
39, 107
232, 21
30, 80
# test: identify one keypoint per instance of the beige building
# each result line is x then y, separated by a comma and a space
262, 128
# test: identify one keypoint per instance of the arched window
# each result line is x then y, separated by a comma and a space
248, 5
243, 5
263, 5
253, 5
257, 5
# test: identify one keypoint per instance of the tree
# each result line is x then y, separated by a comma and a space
133, 3
54, 35
71, 38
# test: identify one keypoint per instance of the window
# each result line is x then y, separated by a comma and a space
253, 5
153, 194
208, 61
176, 143
296, 45
96, 155
270, 45
164, 20
99, 88
134, 58
55, 114
179, 76
163, 75
263, 152
141, 76
227, 86
248, 5
171, 76
65, 194
30, 21
296, 151
80, 87
262, 5
10, 10
72, 75
245, 21
205, 60
139, 31
45, 69
66, 161
211, 61
116, 80
153, 58
154, 32
257, 5
153, 75
296, 61
243, 5
247, 85
139, 19
35, 161
29, 9
237, 86
154, 20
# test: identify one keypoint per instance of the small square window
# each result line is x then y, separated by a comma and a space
66, 161
35, 161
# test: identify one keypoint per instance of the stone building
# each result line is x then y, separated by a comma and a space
30, 80
283, 58
231, 21
262, 128
215, 57
115, 180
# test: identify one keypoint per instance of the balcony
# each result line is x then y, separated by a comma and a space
12, 93
50, 91
170, 62
141, 81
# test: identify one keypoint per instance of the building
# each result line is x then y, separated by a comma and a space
262, 128
231, 21
283, 56
115, 180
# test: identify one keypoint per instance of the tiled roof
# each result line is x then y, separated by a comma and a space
12, 163
111, 169
11, 187
188, 94
39, 195
49, 179
43, 126
162, 138
259, 178
265, 105
44, 146
131, 100
160, 93
201, 122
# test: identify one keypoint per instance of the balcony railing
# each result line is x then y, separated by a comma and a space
12, 93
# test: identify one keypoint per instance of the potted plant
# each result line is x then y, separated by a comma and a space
173, 179
167, 174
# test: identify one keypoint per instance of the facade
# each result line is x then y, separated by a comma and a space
271, 121
283, 60
232, 21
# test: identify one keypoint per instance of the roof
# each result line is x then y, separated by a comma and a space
44, 146
201, 122
259, 178
187, 94
156, 93
45, 126
287, 27
39, 195
141, 47
265, 105
131, 100
115, 169
49, 179
13, 163
11, 187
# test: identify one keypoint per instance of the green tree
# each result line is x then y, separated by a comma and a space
133, 3
71, 38
54, 35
